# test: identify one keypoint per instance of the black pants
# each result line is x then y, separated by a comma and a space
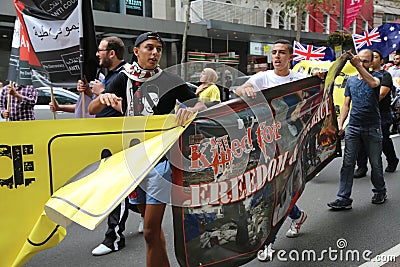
387, 145
114, 237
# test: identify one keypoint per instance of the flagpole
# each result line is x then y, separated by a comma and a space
83, 104
8, 102
83, 97
83, 78
53, 101
87, 47
341, 28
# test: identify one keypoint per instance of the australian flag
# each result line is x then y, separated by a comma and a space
385, 38
311, 52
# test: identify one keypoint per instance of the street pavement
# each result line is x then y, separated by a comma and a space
367, 230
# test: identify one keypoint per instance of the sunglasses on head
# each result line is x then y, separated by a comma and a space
154, 36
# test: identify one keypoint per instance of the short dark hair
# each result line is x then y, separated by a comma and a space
378, 52
286, 42
148, 36
116, 44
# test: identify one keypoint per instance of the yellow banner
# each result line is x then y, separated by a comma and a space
309, 67
39, 157
103, 185
45, 234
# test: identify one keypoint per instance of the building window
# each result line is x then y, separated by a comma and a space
134, 7
304, 18
326, 23
269, 17
293, 23
353, 26
139, 7
282, 16
107, 5
387, 18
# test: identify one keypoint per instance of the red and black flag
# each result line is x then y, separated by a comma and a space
17, 72
57, 40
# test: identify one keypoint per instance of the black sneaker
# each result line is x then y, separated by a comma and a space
339, 204
392, 167
360, 173
379, 198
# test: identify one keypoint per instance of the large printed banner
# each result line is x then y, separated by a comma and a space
39, 157
238, 168
245, 164
57, 39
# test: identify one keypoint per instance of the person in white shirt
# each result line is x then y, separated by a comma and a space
282, 54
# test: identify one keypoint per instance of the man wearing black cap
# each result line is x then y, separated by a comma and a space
142, 91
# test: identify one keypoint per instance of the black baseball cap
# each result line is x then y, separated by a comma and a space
148, 36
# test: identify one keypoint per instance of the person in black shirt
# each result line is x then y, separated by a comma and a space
110, 53
146, 90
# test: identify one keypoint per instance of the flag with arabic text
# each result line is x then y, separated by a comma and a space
57, 40
312, 52
18, 69
385, 38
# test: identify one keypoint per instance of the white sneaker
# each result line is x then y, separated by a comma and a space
294, 229
140, 228
101, 250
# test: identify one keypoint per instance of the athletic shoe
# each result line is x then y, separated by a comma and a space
379, 198
140, 228
101, 250
294, 229
339, 204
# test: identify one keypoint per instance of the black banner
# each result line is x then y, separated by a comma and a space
57, 36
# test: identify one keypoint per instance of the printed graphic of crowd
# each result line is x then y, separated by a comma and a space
395, 103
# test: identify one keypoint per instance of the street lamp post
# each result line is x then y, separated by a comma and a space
341, 22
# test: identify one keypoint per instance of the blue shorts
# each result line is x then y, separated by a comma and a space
155, 187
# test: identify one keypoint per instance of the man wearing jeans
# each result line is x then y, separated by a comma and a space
386, 121
364, 127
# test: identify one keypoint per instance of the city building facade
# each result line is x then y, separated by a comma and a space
242, 31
